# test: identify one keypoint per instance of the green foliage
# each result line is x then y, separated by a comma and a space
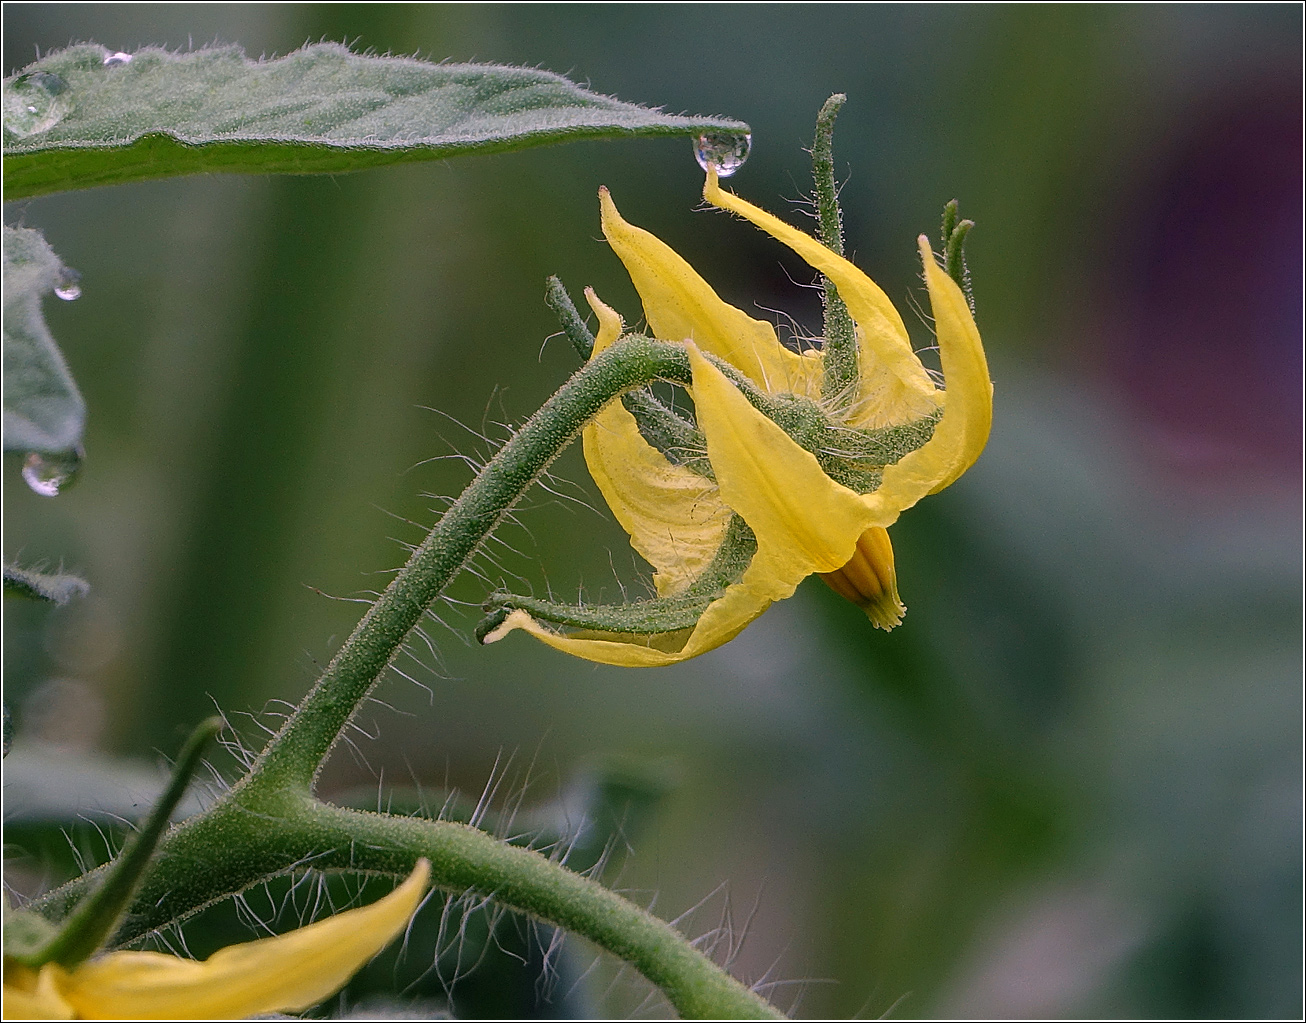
44, 411
79, 117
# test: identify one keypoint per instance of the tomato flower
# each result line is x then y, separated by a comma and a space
777, 479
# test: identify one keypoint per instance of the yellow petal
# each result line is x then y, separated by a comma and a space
610, 325
674, 517
963, 431
893, 386
29, 994
287, 973
680, 306
804, 521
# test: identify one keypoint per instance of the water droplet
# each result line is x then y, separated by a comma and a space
116, 59
68, 285
726, 153
35, 102
47, 474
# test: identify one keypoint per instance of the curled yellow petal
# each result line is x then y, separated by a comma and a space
725, 618
610, 324
288, 973
674, 517
965, 371
680, 306
963, 431
804, 521
893, 386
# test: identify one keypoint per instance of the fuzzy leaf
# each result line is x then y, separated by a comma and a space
44, 411
73, 121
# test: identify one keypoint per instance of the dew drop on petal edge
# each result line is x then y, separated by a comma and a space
69, 285
115, 59
35, 102
48, 474
726, 153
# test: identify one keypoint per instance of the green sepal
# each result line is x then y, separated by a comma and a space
653, 617
841, 364
56, 588
98, 914
950, 213
657, 616
557, 299
675, 435
954, 255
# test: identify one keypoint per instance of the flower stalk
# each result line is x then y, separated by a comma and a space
296, 753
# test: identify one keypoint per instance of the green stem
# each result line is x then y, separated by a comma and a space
524, 879
841, 368
295, 754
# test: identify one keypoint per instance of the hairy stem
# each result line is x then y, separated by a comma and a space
231, 848
295, 754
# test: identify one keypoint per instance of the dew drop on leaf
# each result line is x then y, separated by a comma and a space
68, 286
47, 474
35, 102
116, 59
726, 153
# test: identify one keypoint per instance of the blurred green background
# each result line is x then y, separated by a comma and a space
1068, 785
